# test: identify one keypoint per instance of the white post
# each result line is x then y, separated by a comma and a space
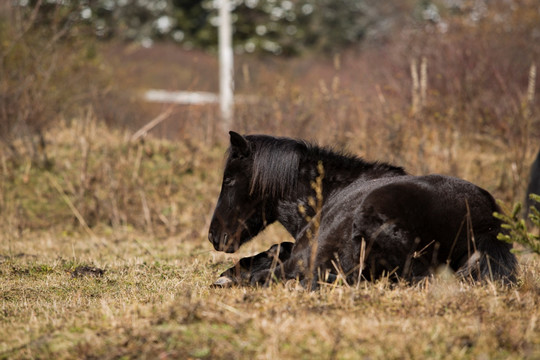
226, 81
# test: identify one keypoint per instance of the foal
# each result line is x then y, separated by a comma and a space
351, 218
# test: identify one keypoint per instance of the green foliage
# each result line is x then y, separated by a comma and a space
517, 229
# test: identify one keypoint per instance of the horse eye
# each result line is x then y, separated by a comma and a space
229, 181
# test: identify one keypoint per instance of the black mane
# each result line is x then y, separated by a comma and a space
275, 164
277, 161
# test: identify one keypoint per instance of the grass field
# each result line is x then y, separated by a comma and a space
103, 254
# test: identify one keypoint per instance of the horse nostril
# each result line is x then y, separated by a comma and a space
213, 239
218, 240
223, 241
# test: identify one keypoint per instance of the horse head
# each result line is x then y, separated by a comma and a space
241, 213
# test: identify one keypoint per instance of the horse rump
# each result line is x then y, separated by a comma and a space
413, 225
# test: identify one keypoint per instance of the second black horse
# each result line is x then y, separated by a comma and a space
351, 218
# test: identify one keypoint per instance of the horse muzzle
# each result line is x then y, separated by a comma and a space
222, 242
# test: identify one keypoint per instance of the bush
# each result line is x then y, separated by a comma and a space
517, 228
46, 72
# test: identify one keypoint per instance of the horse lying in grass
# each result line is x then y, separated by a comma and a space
351, 219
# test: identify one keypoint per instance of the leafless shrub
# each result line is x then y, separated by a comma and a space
46, 71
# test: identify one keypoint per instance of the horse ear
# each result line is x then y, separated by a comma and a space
239, 144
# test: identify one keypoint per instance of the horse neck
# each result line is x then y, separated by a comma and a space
340, 171
337, 173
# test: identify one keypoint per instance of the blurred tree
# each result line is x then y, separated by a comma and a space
286, 27
275, 26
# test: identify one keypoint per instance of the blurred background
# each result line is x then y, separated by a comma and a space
447, 86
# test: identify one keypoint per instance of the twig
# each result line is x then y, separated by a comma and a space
69, 203
362, 259
530, 90
423, 82
146, 211
78, 215
415, 87
153, 123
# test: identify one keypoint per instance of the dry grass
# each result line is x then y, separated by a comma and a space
153, 299
143, 307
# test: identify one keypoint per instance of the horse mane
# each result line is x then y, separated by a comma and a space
275, 165
276, 162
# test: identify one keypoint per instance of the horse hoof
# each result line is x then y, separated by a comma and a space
223, 282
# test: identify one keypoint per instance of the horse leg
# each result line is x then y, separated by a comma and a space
243, 270
297, 266
294, 267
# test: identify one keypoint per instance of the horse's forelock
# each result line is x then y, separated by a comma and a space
275, 166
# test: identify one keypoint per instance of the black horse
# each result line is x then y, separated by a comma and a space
351, 218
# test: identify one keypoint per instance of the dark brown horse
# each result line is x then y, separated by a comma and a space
351, 218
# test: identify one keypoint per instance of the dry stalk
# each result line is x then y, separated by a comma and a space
361, 262
78, 215
316, 204
529, 105
419, 85
137, 165
152, 123
382, 99
70, 204
146, 212
86, 147
415, 87
341, 273
423, 82
531, 90
4, 165
113, 188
